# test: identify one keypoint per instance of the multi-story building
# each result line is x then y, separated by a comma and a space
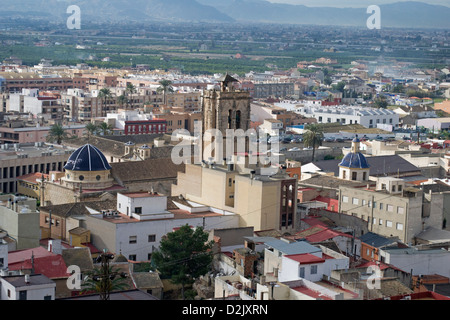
20, 159
135, 223
35, 134
39, 103
131, 122
276, 89
20, 219
15, 82
368, 117
391, 209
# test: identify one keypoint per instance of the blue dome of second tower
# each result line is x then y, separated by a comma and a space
87, 158
355, 161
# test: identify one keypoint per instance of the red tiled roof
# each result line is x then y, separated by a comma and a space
32, 177
45, 262
313, 221
22, 255
91, 247
381, 265
305, 258
311, 293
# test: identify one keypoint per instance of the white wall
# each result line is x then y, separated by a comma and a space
421, 263
149, 205
159, 228
37, 292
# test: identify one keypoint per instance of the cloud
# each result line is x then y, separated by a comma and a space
351, 3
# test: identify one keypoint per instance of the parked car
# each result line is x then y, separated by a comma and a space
295, 149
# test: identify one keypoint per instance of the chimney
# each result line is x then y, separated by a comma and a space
54, 246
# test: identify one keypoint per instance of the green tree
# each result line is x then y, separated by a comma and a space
105, 128
130, 90
340, 86
56, 133
104, 279
121, 100
313, 138
91, 130
184, 255
164, 87
380, 102
104, 94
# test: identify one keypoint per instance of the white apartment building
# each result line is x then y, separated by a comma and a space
29, 101
140, 220
367, 117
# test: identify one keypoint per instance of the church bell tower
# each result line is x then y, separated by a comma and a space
227, 108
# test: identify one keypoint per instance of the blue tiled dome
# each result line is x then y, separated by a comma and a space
355, 160
87, 158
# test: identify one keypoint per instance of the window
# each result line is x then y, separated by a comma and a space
364, 202
381, 206
81, 178
390, 208
344, 199
399, 188
313, 269
301, 272
355, 200
138, 210
23, 295
399, 226
132, 239
380, 222
354, 175
374, 221
388, 224
151, 238
400, 210
132, 257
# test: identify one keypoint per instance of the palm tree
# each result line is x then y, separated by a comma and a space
165, 86
104, 94
56, 133
91, 130
105, 128
121, 100
103, 281
313, 137
130, 90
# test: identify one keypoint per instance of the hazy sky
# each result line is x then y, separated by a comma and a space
353, 3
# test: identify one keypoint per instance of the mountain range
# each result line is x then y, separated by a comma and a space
407, 14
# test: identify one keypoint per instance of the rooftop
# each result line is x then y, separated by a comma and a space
35, 280
298, 247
